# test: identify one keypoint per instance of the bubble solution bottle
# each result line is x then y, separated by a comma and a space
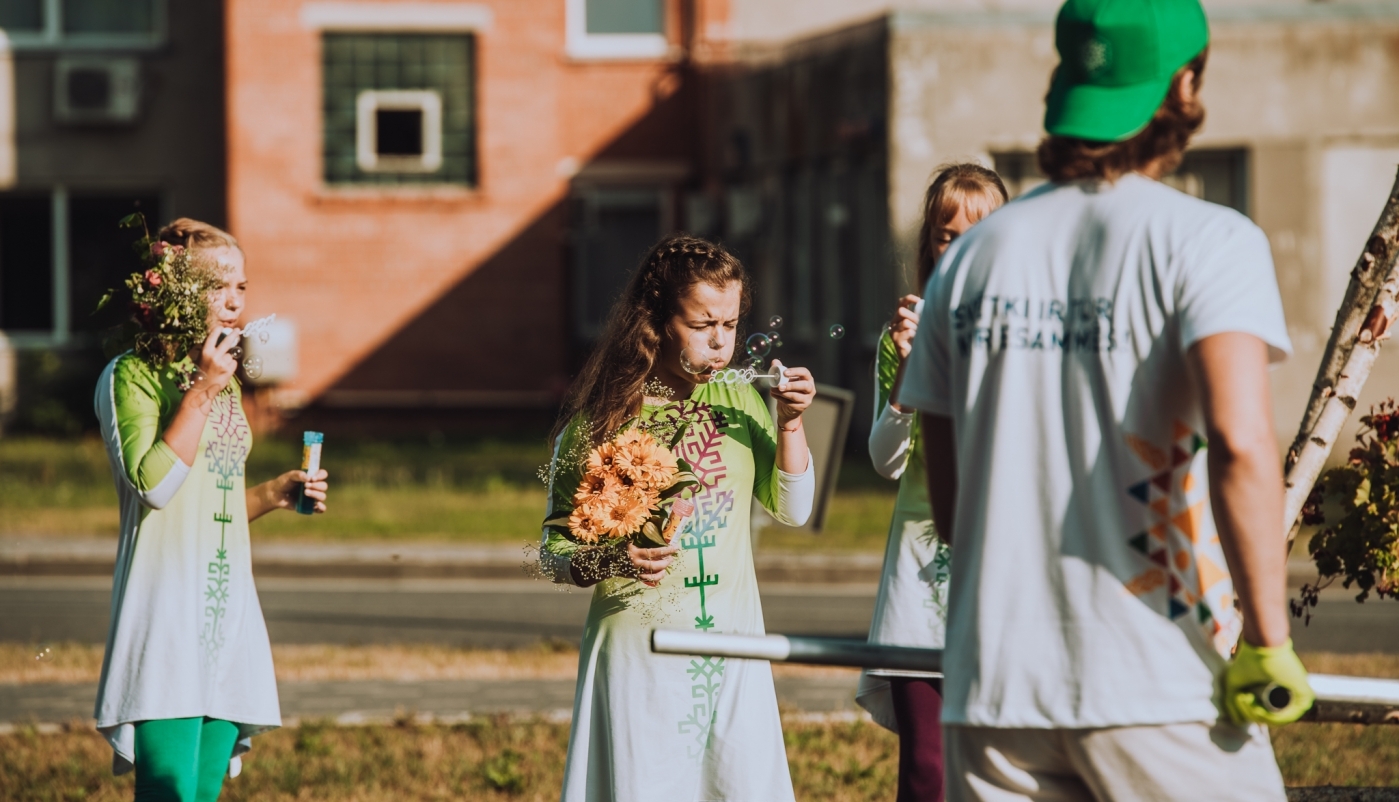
310, 463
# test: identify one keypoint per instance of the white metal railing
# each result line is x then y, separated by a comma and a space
1361, 700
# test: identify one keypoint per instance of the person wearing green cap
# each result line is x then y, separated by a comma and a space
1091, 371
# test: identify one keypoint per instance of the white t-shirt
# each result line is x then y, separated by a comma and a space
1089, 588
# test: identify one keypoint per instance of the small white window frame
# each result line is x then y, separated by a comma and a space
367, 155
584, 46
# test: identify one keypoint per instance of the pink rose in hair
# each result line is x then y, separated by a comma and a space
153, 278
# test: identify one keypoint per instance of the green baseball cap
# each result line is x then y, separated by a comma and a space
1116, 62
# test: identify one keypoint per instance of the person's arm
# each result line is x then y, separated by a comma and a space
216, 368
131, 402
282, 493
890, 441
793, 398
1231, 372
891, 434
940, 460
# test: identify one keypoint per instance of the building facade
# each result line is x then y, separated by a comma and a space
444, 197
104, 108
1301, 134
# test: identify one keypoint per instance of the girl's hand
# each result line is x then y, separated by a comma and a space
649, 565
794, 396
216, 366
282, 493
904, 325
286, 488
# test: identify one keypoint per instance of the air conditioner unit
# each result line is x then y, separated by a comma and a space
96, 89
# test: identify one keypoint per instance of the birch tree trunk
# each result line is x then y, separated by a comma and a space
1368, 310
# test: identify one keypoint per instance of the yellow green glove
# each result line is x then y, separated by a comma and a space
1255, 681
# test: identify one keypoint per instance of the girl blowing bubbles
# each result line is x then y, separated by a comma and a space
911, 607
187, 677
649, 726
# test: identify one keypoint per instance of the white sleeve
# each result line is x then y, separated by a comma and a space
796, 494
890, 440
157, 497
1227, 284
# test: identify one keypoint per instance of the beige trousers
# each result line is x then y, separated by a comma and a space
1164, 763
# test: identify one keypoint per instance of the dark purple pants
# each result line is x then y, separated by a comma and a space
918, 709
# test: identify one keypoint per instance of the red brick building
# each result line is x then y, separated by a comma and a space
443, 196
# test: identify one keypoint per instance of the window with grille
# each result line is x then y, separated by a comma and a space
399, 109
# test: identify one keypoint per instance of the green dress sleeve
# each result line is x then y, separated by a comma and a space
886, 367
762, 433
565, 472
144, 406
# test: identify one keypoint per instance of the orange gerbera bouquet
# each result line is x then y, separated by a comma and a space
631, 488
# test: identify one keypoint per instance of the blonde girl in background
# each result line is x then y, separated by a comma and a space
187, 677
911, 607
668, 727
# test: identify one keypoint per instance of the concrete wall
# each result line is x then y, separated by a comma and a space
447, 297
1307, 91
760, 22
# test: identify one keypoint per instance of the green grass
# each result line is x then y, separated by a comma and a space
513, 759
482, 491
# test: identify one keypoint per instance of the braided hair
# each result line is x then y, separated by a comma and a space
608, 391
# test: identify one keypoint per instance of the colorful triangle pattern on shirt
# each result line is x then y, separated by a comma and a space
1181, 554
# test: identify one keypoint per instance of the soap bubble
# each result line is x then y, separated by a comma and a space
775, 339
758, 344
837, 331
44, 653
263, 336
236, 352
775, 322
700, 355
754, 362
252, 366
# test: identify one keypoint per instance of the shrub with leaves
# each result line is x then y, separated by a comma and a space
1358, 504
169, 303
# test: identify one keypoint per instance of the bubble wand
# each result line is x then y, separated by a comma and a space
252, 366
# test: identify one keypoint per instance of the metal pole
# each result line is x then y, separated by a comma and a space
1361, 700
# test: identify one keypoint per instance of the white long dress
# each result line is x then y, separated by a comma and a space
911, 608
186, 636
675, 728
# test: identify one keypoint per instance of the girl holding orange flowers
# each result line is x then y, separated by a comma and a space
654, 473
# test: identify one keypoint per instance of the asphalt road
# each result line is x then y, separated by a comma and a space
474, 613
507, 614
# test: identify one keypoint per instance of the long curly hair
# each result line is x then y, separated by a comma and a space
609, 389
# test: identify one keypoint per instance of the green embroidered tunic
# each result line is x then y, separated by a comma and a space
187, 636
649, 726
911, 608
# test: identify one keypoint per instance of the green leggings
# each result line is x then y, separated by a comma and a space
182, 759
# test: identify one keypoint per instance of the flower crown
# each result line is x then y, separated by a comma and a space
169, 303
